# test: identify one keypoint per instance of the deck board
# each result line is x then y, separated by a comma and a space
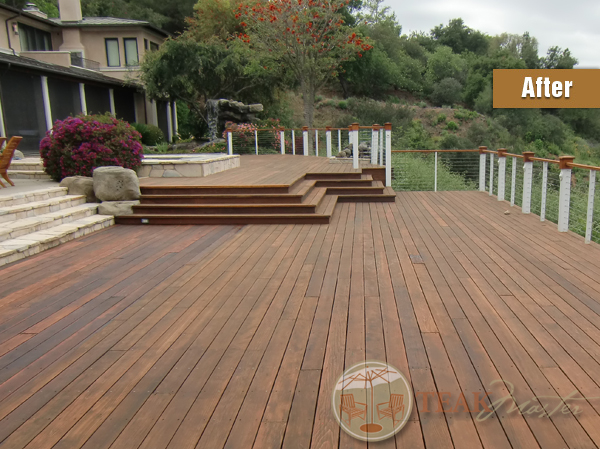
233, 336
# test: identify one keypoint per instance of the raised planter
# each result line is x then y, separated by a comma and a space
186, 165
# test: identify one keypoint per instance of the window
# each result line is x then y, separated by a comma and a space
153, 46
146, 44
113, 57
131, 52
33, 39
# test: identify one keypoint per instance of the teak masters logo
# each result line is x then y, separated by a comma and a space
372, 401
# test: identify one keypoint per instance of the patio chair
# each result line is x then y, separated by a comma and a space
348, 405
393, 406
6, 157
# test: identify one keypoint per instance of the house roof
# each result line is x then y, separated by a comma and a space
46, 68
108, 21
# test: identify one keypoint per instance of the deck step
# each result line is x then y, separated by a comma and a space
13, 229
222, 209
344, 183
207, 189
28, 174
251, 198
325, 176
229, 219
18, 248
35, 208
355, 190
36, 195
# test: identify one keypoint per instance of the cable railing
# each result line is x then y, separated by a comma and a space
356, 144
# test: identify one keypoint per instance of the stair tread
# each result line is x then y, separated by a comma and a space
24, 196
231, 206
38, 204
219, 215
11, 226
316, 196
303, 187
327, 206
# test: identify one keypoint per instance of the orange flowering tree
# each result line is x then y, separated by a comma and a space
305, 37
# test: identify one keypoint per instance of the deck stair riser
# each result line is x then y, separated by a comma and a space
198, 190
226, 209
222, 199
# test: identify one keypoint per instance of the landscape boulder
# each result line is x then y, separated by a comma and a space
116, 184
80, 185
117, 208
18, 155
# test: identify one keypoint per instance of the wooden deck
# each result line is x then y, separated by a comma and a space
233, 336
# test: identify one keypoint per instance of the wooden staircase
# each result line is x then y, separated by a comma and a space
311, 199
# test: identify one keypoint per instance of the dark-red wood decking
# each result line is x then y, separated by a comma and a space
233, 336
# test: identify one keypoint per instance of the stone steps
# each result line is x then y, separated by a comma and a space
35, 221
27, 174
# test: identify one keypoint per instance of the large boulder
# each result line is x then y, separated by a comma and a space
18, 155
116, 184
117, 208
80, 185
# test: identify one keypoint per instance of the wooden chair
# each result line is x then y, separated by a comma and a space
348, 405
393, 406
6, 157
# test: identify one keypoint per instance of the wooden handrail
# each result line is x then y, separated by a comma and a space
520, 156
586, 167
542, 159
435, 151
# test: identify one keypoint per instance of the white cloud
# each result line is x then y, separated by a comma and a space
572, 25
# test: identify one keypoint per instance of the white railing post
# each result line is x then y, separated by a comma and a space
339, 140
482, 161
491, 174
590, 208
501, 174
328, 140
316, 142
305, 140
381, 145
256, 140
355, 129
435, 172
388, 154
513, 181
282, 137
544, 191
527, 181
293, 143
374, 144
229, 142
564, 197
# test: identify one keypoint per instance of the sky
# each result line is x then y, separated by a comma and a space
573, 24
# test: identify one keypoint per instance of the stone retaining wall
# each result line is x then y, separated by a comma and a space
186, 167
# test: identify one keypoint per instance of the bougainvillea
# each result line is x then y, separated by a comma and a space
307, 38
77, 145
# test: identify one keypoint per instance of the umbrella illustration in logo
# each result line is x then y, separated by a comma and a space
379, 382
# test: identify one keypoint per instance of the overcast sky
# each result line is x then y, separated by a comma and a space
573, 24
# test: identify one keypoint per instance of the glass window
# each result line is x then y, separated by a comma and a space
146, 44
153, 46
131, 52
33, 39
113, 57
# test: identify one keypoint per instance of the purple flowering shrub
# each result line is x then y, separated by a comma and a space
78, 145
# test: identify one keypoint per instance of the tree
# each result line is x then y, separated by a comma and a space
557, 58
523, 47
306, 37
460, 38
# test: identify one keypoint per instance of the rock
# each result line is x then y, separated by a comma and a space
80, 185
254, 108
506, 212
116, 184
117, 208
171, 174
19, 155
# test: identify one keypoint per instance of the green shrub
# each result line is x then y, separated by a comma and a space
393, 99
447, 91
318, 98
77, 145
151, 134
441, 118
452, 126
422, 104
330, 103
343, 104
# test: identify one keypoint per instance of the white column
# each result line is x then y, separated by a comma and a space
339, 140
513, 181
388, 154
491, 174
590, 207
82, 99
305, 141
316, 142
175, 120
564, 197
46, 98
501, 176
2, 128
374, 149
169, 123
282, 137
355, 163
482, 161
293, 143
229, 142
527, 181
435, 171
111, 94
544, 191
256, 141
328, 141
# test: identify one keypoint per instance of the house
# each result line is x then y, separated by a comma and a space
52, 68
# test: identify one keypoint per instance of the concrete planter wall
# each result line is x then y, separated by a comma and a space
186, 166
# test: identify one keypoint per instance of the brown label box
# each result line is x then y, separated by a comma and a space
548, 88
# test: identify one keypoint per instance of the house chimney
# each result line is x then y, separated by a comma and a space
32, 8
70, 10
